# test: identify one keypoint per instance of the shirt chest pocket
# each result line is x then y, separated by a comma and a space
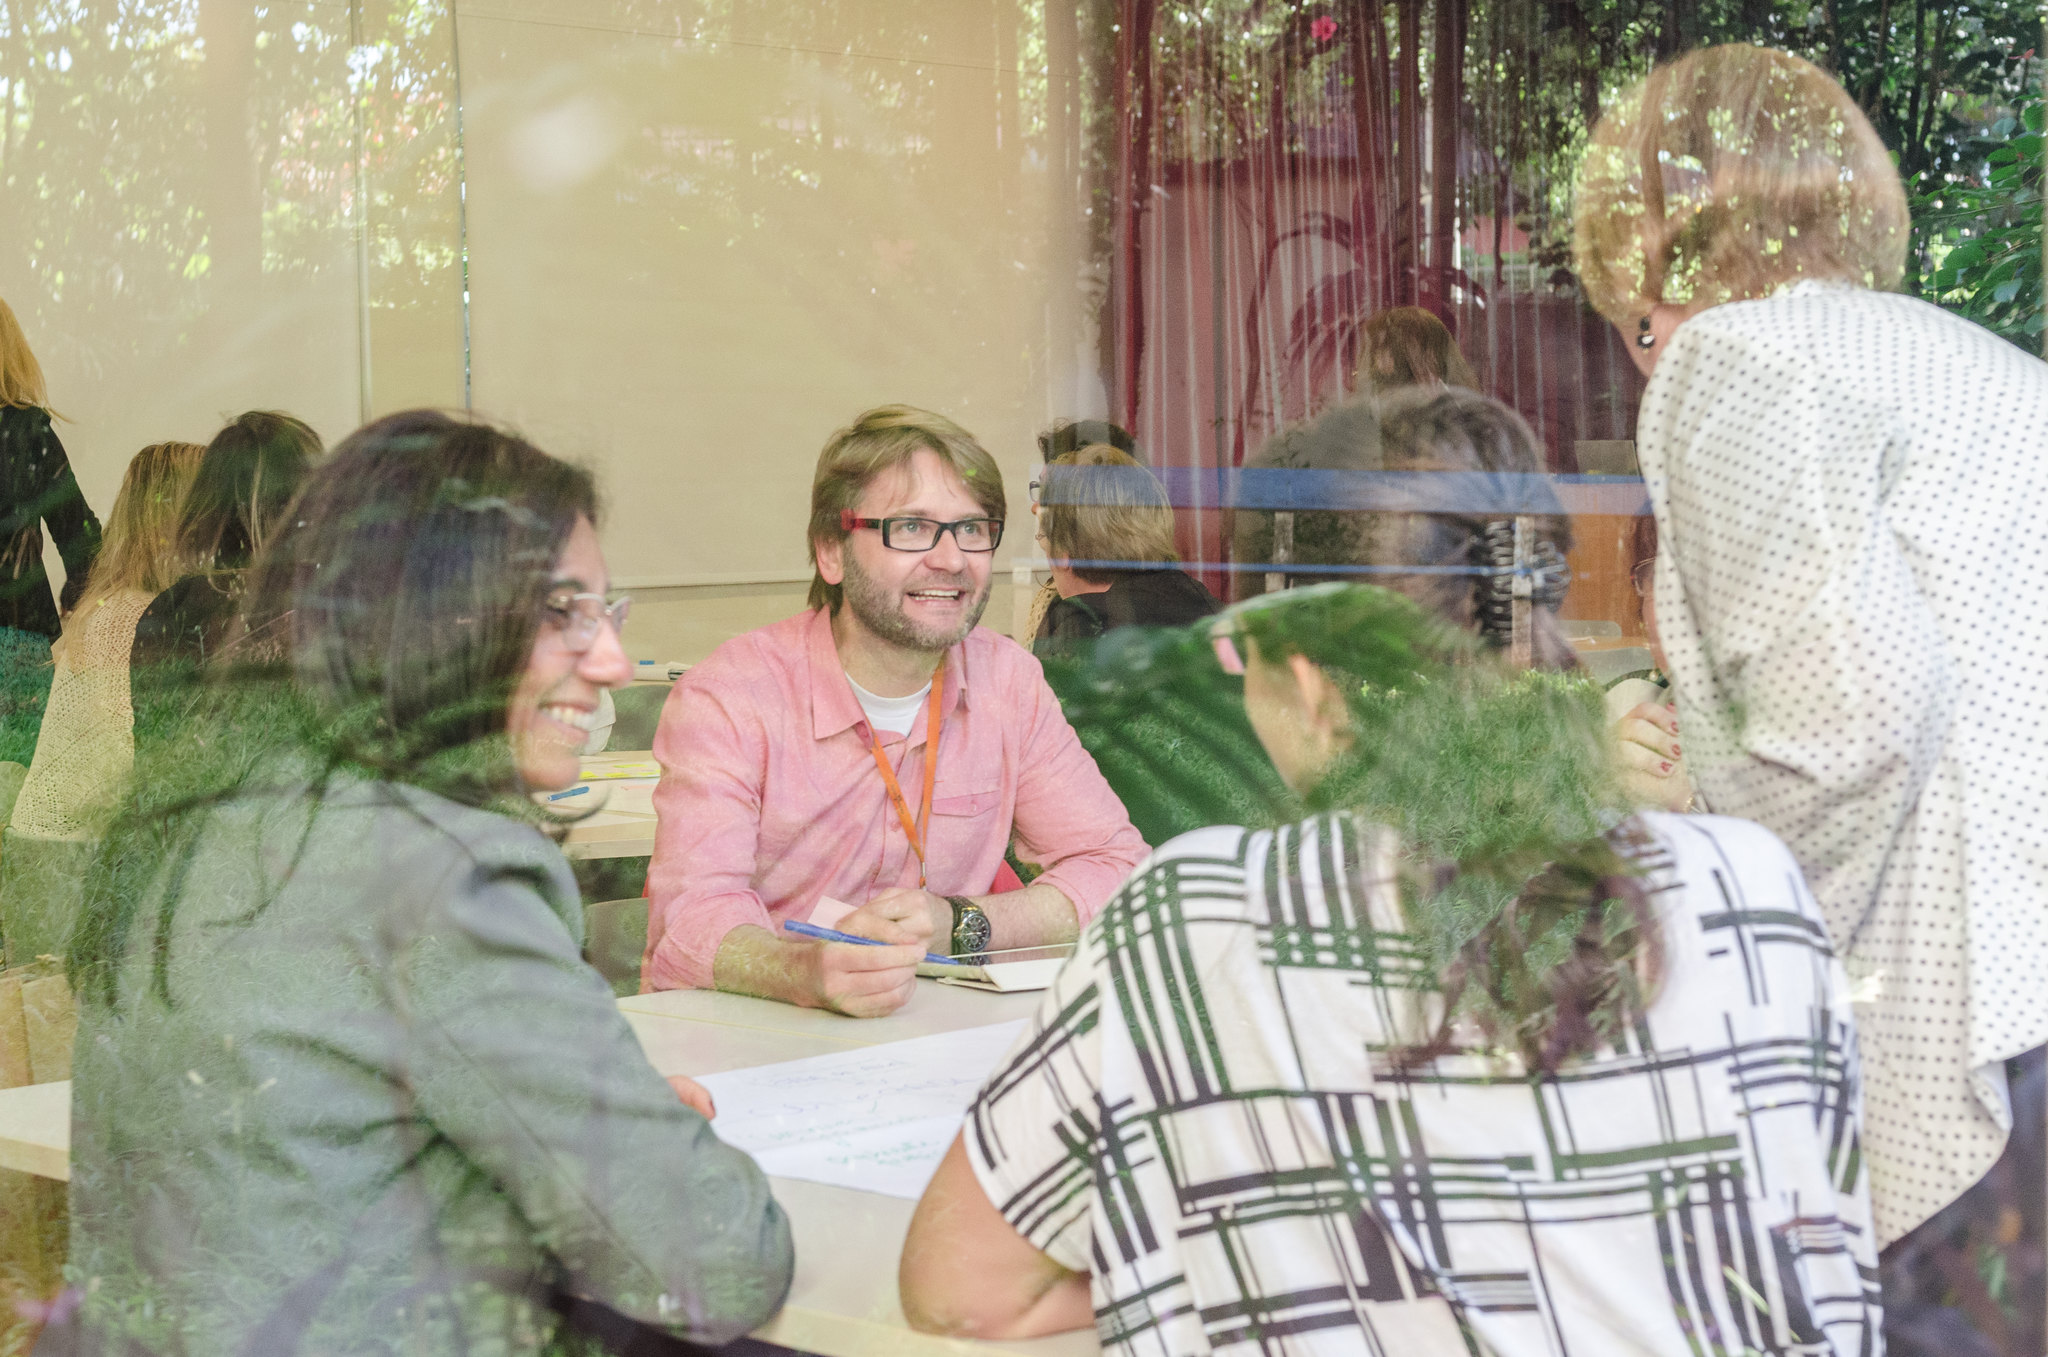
962, 801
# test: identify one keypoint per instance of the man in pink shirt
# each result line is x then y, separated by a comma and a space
797, 767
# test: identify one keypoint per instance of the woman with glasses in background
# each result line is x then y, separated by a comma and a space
344, 1083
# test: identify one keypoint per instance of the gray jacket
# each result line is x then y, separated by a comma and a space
388, 1108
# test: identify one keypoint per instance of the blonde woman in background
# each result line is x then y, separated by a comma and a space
88, 741
1065, 436
1107, 528
1848, 485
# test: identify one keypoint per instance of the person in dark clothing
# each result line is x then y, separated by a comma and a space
1064, 437
36, 488
250, 472
1107, 529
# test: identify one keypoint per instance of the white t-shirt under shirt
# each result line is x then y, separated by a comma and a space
893, 714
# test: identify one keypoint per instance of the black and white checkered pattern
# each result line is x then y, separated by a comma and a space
1203, 1116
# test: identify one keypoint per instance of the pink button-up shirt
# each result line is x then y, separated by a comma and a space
770, 798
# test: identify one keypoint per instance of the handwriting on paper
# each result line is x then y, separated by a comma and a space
876, 1118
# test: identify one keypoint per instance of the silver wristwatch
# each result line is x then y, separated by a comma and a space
971, 928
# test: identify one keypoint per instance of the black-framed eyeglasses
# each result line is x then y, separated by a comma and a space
922, 534
1036, 489
1644, 576
580, 616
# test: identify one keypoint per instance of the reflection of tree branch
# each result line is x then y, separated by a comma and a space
234, 227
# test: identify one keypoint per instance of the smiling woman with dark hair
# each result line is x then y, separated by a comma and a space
344, 1083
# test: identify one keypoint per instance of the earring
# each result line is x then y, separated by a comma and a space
1644, 339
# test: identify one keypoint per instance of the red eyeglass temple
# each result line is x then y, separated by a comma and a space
848, 520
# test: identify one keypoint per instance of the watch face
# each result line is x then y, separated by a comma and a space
971, 934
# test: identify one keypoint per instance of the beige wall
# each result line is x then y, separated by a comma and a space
699, 237
692, 260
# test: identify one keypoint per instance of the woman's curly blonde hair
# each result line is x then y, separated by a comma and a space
1726, 174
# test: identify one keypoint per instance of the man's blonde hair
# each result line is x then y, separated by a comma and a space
1726, 174
1123, 516
140, 547
21, 376
877, 440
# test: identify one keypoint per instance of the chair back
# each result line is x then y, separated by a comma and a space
639, 706
41, 884
12, 776
614, 936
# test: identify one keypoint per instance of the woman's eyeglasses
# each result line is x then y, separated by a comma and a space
1644, 576
922, 534
579, 617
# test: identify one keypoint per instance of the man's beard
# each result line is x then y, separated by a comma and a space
883, 614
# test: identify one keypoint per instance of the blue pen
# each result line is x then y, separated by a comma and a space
834, 935
573, 791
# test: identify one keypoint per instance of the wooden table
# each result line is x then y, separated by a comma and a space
843, 1300
621, 822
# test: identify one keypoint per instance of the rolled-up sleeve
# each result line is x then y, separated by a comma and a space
1068, 819
713, 759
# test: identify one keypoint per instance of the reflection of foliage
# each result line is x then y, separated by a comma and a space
1982, 233
1234, 71
1930, 76
152, 154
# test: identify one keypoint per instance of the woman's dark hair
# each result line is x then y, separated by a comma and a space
1071, 435
1457, 430
385, 626
1517, 893
249, 473
1466, 552
407, 585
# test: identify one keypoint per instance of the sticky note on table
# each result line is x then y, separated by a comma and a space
612, 772
828, 912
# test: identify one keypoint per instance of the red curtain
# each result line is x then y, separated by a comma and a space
1281, 175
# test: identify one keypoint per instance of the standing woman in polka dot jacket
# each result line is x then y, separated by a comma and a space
1850, 488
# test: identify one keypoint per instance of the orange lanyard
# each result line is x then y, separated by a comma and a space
934, 721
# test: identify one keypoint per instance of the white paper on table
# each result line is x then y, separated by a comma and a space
1001, 977
876, 1118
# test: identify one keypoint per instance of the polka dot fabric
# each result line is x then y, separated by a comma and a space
1851, 491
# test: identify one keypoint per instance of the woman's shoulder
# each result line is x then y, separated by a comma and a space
1885, 346
405, 816
1241, 865
1725, 872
